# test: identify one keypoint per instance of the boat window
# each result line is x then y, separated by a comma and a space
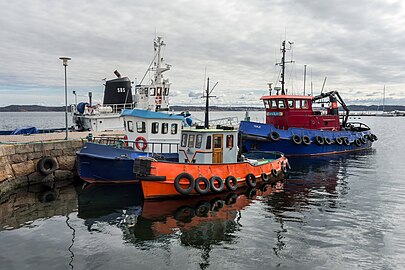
165, 128
130, 126
298, 104
155, 127
140, 126
198, 141
145, 91
159, 91
191, 141
281, 104
273, 104
266, 104
174, 129
290, 103
183, 140
208, 145
217, 142
229, 141
305, 104
152, 91
166, 92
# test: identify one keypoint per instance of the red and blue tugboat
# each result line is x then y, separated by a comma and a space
300, 125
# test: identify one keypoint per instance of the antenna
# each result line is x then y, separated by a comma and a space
323, 85
305, 76
207, 97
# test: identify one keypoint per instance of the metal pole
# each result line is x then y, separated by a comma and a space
66, 108
65, 63
305, 76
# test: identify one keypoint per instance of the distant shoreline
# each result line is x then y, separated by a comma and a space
38, 108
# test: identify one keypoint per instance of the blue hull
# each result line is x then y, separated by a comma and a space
108, 164
255, 137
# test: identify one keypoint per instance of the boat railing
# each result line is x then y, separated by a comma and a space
154, 148
225, 121
356, 126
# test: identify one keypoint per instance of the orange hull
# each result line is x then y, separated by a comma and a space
162, 189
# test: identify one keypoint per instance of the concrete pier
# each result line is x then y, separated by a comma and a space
20, 157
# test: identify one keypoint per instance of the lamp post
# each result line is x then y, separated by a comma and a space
65, 63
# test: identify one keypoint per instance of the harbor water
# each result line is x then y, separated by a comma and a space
333, 212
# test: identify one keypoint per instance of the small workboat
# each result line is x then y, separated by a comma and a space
304, 125
208, 163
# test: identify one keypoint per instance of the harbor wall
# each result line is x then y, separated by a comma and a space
19, 162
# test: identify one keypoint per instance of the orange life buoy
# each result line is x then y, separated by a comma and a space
126, 140
144, 143
158, 100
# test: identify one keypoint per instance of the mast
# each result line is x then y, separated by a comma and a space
158, 77
207, 99
305, 76
282, 64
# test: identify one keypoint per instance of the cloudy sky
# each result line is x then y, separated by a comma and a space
358, 45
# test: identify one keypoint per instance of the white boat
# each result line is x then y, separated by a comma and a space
118, 96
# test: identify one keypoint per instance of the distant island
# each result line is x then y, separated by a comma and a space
178, 108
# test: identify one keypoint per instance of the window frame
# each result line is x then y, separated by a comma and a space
154, 128
142, 128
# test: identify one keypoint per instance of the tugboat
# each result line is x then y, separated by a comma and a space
118, 96
300, 125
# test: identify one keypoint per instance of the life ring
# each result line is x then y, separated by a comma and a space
198, 188
47, 165
319, 140
274, 136
306, 140
218, 179
178, 187
265, 177
328, 140
296, 139
158, 100
274, 172
339, 141
125, 140
144, 143
346, 141
357, 142
363, 140
251, 180
231, 183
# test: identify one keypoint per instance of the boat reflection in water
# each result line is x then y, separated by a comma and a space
201, 220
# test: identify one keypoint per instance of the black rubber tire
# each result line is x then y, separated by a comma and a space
357, 142
216, 204
319, 140
296, 139
367, 137
274, 136
274, 172
338, 141
198, 188
346, 141
306, 140
265, 178
231, 183
328, 141
251, 192
184, 214
251, 180
218, 179
202, 208
284, 168
47, 165
231, 198
363, 140
177, 186
374, 137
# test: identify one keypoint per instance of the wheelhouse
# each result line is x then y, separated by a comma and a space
286, 111
208, 146
153, 131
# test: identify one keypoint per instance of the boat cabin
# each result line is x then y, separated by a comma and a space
153, 132
286, 111
153, 97
208, 146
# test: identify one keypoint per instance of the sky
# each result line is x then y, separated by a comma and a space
357, 45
